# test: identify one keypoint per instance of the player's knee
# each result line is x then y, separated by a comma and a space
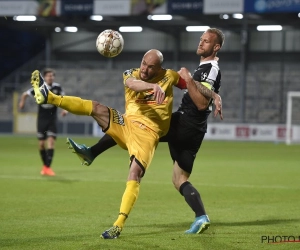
42, 145
51, 142
101, 114
178, 180
136, 172
135, 175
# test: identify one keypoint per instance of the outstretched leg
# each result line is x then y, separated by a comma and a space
73, 104
88, 154
102, 145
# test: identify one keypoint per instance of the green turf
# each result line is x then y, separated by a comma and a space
249, 190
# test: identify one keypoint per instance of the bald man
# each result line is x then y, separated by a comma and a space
148, 102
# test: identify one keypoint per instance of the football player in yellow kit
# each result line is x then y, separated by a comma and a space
148, 109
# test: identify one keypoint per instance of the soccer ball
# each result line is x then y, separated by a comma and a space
110, 43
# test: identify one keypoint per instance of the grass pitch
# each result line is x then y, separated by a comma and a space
250, 190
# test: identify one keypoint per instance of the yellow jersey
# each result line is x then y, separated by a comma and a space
141, 106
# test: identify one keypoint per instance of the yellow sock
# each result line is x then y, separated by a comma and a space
72, 104
129, 197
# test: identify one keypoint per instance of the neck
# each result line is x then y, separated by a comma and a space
209, 58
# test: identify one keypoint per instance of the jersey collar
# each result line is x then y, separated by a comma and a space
48, 86
210, 61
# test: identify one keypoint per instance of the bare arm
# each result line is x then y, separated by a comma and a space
23, 100
207, 93
140, 86
198, 98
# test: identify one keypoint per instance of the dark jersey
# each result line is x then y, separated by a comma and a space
48, 111
208, 72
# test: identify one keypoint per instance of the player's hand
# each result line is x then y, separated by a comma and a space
159, 94
185, 74
64, 113
218, 104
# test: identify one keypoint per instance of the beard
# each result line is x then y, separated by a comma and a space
204, 53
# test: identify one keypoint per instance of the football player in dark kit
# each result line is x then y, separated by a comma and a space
188, 125
46, 121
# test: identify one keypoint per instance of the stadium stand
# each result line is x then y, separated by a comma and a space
265, 93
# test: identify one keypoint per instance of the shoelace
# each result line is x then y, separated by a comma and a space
113, 231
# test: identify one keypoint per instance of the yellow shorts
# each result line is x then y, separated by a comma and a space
138, 139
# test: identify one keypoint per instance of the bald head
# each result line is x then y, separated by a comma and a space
151, 64
156, 56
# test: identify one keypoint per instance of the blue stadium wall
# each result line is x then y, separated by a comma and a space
17, 47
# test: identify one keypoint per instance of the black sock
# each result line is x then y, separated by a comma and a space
192, 198
50, 153
103, 144
43, 156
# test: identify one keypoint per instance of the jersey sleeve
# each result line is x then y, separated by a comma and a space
181, 83
207, 77
129, 73
178, 81
30, 92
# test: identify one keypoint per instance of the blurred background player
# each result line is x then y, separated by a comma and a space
188, 125
46, 121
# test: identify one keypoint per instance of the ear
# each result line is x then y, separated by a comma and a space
217, 47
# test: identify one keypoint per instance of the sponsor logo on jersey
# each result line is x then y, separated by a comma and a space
117, 117
164, 80
203, 76
128, 72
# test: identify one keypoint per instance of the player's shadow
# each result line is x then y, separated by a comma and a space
165, 226
61, 179
263, 222
181, 226
159, 228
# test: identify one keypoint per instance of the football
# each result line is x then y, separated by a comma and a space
110, 43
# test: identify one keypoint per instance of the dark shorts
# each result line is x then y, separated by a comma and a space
46, 128
184, 140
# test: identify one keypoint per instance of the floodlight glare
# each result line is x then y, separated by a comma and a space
196, 28
269, 27
25, 18
130, 29
71, 29
160, 17
96, 18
